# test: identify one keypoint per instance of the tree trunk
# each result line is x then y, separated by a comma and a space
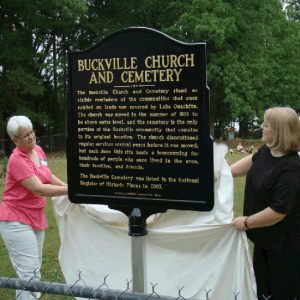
244, 128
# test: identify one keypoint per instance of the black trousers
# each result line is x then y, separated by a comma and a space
277, 274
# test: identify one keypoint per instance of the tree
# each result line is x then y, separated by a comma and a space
252, 47
245, 42
29, 53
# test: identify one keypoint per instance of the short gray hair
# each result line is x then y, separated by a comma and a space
15, 123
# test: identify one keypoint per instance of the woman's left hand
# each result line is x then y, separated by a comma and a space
239, 223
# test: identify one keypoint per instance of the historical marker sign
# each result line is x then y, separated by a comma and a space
138, 128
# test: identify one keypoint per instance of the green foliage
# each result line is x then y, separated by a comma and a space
252, 46
30, 44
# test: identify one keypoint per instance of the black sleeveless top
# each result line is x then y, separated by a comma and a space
274, 182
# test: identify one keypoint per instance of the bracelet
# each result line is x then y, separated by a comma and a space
246, 222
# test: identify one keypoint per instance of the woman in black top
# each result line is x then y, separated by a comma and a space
272, 206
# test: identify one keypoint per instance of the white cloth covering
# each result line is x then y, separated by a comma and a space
199, 251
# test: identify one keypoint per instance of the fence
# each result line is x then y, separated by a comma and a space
102, 292
80, 289
51, 143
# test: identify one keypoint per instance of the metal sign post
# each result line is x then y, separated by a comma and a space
138, 260
137, 231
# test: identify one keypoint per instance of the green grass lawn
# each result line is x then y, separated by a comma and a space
50, 268
239, 184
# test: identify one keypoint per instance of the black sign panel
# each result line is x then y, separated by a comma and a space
138, 128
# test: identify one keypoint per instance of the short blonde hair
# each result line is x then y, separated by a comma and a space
14, 125
285, 124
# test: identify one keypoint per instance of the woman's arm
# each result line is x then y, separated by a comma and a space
264, 218
56, 181
242, 166
50, 190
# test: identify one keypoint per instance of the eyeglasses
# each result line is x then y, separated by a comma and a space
24, 137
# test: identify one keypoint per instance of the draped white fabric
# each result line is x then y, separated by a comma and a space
199, 251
